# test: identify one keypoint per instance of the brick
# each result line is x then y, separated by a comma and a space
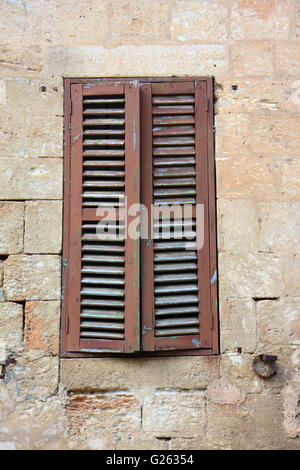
35, 277
42, 321
251, 275
91, 416
279, 226
252, 59
256, 19
43, 220
238, 325
174, 414
238, 224
11, 227
11, 323
139, 23
30, 178
199, 22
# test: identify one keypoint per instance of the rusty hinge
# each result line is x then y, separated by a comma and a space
4, 365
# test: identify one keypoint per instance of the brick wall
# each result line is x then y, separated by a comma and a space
252, 48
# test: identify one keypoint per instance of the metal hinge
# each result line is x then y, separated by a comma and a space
71, 108
207, 104
67, 325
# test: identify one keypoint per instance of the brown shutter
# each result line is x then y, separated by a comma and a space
176, 295
101, 310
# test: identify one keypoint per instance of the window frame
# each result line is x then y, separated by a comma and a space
214, 320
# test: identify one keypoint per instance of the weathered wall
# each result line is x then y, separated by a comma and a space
158, 403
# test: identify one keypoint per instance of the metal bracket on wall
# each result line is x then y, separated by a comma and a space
264, 365
4, 365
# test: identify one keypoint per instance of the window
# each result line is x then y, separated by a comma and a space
139, 161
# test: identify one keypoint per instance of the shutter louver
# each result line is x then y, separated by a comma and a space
174, 146
104, 170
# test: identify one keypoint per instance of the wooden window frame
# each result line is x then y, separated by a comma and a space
206, 82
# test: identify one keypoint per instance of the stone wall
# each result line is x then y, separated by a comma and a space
252, 48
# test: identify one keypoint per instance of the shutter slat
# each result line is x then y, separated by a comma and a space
173, 131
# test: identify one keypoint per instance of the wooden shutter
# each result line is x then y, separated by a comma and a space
101, 276
176, 289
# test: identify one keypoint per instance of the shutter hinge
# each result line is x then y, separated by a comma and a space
71, 108
67, 325
207, 104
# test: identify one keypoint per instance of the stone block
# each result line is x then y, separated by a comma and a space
19, 61
122, 374
23, 178
287, 58
256, 19
233, 134
11, 227
279, 226
238, 325
84, 61
42, 321
256, 275
43, 227
174, 414
254, 424
223, 392
237, 369
238, 225
35, 277
291, 273
278, 322
11, 323
263, 178
193, 21
21, 25
276, 133
140, 22
36, 376
252, 59
77, 22
253, 95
